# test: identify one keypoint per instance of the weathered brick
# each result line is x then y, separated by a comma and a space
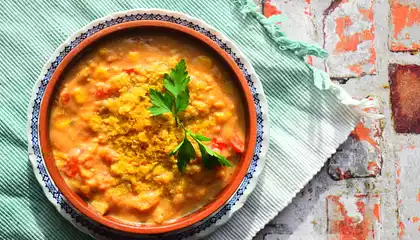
349, 38
405, 25
405, 97
360, 155
353, 217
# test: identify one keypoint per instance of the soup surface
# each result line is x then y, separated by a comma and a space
114, 154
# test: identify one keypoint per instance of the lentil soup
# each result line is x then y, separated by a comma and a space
114, 154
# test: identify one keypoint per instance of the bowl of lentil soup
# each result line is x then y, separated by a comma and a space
115, 160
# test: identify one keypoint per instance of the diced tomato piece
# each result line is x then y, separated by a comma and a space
129, 70
215, 144
72, 167
102, 91
237, 145
65, 97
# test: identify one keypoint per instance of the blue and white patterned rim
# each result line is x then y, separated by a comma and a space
248, 184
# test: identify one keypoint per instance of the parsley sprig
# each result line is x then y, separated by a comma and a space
175, 99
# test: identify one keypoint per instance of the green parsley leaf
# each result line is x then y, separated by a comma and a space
209, 157
181, 102
176, 83
177, 80
212, 159
186, 152
162, 103
199, 137
176, 149
222, 159
208, 160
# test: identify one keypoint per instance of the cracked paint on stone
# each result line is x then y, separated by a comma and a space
353, 217
360, 155
405, 24
349, 38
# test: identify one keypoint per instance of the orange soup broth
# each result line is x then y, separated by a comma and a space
115, 155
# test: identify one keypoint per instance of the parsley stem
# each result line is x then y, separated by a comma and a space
180, 124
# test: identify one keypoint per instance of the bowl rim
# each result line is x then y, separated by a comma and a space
183, 222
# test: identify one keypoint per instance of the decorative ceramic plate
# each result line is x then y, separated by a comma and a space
200, 229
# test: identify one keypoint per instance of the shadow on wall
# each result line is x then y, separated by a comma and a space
303, 206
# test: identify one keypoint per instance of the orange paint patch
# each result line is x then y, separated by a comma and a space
356, 68
411, 147
399, 16
397, 164
372, 58
401, 230
334, 199
362, 133
403, 16
310, 60
413, 17
402, 47
371, 109
270, 10
346, 43
350, 42
418, 197
372, 165
415, 219
368, 14
377, 211
346, 227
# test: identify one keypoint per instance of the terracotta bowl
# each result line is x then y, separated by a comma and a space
185, 221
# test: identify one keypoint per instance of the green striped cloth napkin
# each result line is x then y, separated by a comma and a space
307, 124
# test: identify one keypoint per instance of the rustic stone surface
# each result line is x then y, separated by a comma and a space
350, 38
405, 25
408, 192
405, 97
353, 217
360, 155
306, 216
